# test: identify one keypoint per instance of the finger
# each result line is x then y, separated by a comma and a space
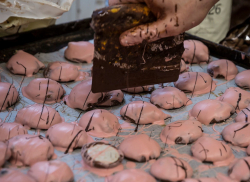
134, 36
151, 32
114, 2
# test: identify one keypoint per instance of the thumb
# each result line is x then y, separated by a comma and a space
114, 2
150, 32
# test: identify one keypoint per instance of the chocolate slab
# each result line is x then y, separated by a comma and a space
119, 67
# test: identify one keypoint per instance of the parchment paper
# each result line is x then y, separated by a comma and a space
33, 9
70, 115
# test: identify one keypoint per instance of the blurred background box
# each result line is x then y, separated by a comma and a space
81, 9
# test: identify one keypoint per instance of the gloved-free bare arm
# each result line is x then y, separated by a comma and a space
173, 18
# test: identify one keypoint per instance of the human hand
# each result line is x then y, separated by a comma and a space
173, 18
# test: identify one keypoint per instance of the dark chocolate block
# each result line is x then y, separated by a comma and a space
118, 67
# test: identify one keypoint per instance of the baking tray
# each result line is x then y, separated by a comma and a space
74, 159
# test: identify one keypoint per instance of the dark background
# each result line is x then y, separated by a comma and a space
240, 11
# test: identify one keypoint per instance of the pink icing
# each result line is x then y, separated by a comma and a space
43, 90
9, 95
237, 97
47, 171
67, 136
201, 180
23, 63
219, 178
237, 134
195, 82
140, 112
222, 67
100, 123
103, 172
40, 117
135, 90
207, 149
9, 130
80, 52
181, 132
130, 175
195, 52
169, 98
178, 169
27, 149
239, 169
211, 111
130, 165
81, 96
243, 56
183, 66
248, 150
243, 115
140, 148
242, 79
126, 125
5, 153
9, 175
222, 178
112, 98
64, 72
